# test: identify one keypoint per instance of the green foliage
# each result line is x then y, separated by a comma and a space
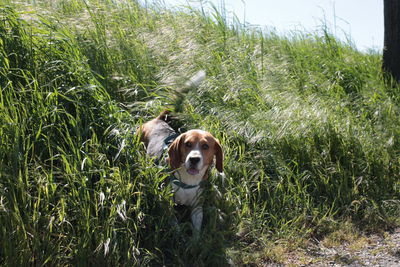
309, 129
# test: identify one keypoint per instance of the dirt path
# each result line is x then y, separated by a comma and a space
373, 250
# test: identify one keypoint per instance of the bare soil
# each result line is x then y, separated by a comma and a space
372, 250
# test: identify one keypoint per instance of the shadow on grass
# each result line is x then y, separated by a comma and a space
183, 248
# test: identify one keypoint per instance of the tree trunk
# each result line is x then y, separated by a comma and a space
391, 46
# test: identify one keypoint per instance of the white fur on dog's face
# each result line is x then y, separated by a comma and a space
194, 161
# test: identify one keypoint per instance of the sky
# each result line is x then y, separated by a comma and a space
359, 20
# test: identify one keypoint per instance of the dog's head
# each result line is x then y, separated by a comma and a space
195, 151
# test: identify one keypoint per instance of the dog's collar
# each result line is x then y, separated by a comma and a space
182, 185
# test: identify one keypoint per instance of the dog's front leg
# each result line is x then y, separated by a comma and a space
197, 217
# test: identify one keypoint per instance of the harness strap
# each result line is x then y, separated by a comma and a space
168, 141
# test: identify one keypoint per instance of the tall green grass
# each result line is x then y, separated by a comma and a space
309, 129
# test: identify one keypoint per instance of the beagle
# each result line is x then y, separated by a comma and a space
190, 156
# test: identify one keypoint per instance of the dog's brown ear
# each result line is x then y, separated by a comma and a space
219, 157
174, 155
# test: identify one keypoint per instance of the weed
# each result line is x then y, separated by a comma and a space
309, 129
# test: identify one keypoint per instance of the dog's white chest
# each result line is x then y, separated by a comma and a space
188, 197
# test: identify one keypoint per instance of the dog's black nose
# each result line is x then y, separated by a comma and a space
194, 160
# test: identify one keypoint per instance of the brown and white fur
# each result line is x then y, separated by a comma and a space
190, 156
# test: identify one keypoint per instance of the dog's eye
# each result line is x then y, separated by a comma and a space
188, 144
205, 146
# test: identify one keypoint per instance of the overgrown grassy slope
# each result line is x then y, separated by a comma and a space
310, 134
